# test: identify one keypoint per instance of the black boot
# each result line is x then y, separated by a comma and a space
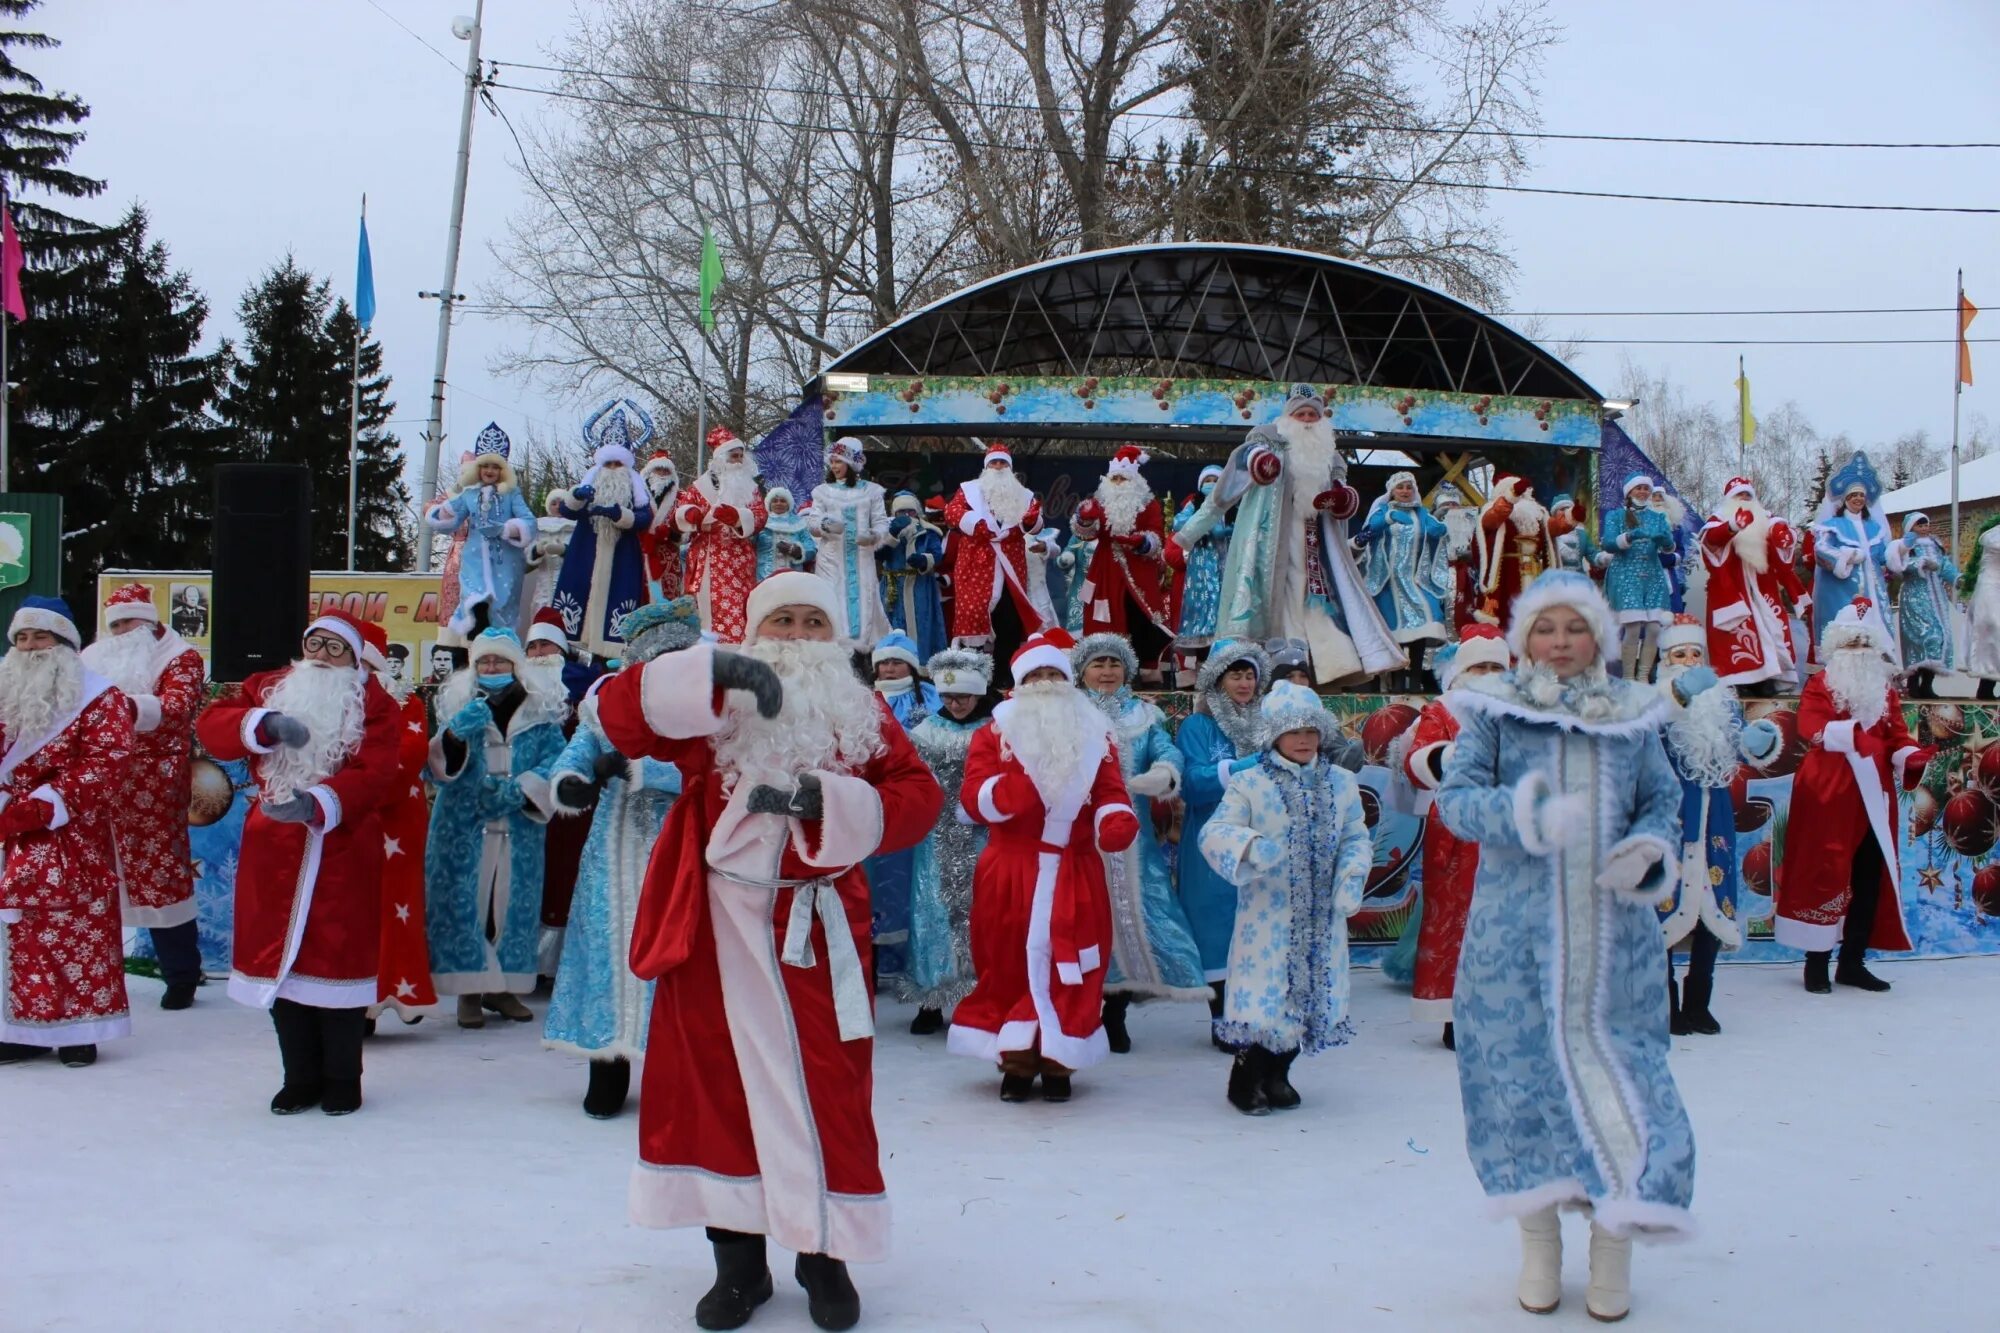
742, 1281
1055, 1087
1985, 690
610, 1084
1816, 966
1218, 994
1017, 1087
1677, 1022
76, 1057
180, 995
1246, 1081
13, 1052
830, 1295
341, 1032
926, 1022
1114, 1023
1450, 1038
1278, 1089
1852, 972
299, 1050
1694, 1013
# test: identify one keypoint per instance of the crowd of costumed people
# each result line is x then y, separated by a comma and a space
763, 744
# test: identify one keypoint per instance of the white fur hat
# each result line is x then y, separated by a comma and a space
961, 671
1290, 706
792, 587
1562, 587
1685, 632
1095, 646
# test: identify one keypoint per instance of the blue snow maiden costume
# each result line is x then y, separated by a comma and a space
499, 529
1561, 1018
911, 699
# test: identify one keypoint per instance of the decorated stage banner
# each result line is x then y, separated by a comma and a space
1023, 402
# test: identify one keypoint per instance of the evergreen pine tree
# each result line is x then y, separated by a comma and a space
38, 132
287, 401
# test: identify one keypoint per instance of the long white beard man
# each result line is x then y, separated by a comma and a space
991, 602
1838, 884
1125, 587
754, 921
721, 515
67, 735
603, 575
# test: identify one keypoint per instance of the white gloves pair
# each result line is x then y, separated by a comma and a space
1159, 780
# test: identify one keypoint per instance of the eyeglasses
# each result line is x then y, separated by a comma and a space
329, 644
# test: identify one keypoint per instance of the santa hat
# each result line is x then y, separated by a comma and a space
1739, 486
661, 461
1858, 620
498, 642
896, 646
1685, 632
1479, 644
1635, 481
1231, 653
1045, 648
997, 453
660, 627
1127, 461
548, 627
1509, 484
792, 587
375, 648
343, 627
1561, 587
1291, 706
1095, 646
780, 492
130, 601
47, 613
720, 438
848, 450
961, 671
905, 502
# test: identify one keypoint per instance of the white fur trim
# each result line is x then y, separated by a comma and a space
1043, 655
251, 721
1557, 1193
1097, 825
1669, 864
145, 712
123, 611
547, 634
1575, 592
341, 630
1807, 936
539, 793
989, 811
850, 827
967, 522
54, 798
1898, 760
36, 618
518, 532
1472, 699
329, 806
677, 692
1838, 736
1419, 767
1529, 793
792, 587
1642, 1219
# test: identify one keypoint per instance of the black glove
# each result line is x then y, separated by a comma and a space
454, 751
734, 671
806, 801
609, 765
574, 791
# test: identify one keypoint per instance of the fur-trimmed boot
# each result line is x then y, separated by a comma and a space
1609, 1298
1541, 1286
742, 1281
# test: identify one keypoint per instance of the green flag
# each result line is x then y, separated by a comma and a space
711, 278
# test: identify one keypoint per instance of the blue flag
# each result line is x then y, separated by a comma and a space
364, 277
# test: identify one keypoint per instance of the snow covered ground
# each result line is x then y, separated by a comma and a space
1850, 1146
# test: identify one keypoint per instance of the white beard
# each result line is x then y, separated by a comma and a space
1752, 544
332, 702
1859, 679
1006, 498
1045, 732
829, 720
730, 484
1462, 527
126, 660
1703, 734
398, 689
1312, 457
1528, 516
37, 689
543, 679
1123, 503
661, 486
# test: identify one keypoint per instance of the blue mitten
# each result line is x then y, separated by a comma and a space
1761, 741
470, 723
1694, 681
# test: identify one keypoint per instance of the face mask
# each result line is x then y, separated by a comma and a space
495, 684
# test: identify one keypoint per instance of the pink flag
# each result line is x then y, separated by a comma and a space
10, 267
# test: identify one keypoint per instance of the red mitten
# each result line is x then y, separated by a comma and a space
1015, 794
1265, 466
1744, 518
27, 815
727, 516
1914, 766
1338, 500
1116, 832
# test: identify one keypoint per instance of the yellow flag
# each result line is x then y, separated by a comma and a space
1967, 312
1745, 419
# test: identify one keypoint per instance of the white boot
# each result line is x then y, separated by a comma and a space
1610, 1296
1541, 1286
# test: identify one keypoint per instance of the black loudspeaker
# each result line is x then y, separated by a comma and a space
262, 567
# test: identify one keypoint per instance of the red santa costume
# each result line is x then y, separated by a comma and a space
403, 967
991, 516
1045, 780
1122, 592
1514, 547
755, 1113
166, 683
1838, 882
721, 513
65, 741
1450, 863
1748, 554
662, 542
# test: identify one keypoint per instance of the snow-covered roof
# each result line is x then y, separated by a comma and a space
1977, 480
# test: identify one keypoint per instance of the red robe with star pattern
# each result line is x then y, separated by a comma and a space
308, 896
989, 563
63, 960
721, 563
403, 971
152, 828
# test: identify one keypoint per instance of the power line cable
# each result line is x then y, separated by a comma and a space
414, 33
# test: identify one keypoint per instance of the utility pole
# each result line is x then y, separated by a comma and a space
447, 294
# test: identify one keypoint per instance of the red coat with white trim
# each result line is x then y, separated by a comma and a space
1749, 632
1849, 781
1126, 569
65, 960
1451, 865
1041, 910
152, 827
783, 1143
721, 565
978, 579
321, 882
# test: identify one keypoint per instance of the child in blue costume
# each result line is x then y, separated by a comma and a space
895, 663
1561, 778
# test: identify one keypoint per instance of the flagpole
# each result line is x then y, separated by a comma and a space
354, 416
6, 407
1742, 426
1957, 388
701, 409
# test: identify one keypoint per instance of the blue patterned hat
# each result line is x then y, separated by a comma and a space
1290, 706
498, 642
492, 441
660, 627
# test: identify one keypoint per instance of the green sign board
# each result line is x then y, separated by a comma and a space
17, 549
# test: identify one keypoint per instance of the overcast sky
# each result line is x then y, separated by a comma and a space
252, 127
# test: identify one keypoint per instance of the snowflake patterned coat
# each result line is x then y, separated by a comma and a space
1635, 582
599, 1009
62, 956
483, 861
152, 827
1560, 1016
403, 971
1201, 579
1294, 840
938, 970
989, 563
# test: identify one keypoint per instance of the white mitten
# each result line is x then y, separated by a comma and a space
1263, 855
1563, 821
1624, 869
1159, 780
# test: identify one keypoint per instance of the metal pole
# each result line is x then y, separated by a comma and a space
6, 408
434, 434
1957, 388
701, 409
354, 450
1740, 424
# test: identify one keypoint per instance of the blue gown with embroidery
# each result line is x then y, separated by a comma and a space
1406, 571
938, 970
490, 567
1635, 582
889, 876
1201, 587
1923, 604
1866, 543
1152, 947
792, 529
910, 594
